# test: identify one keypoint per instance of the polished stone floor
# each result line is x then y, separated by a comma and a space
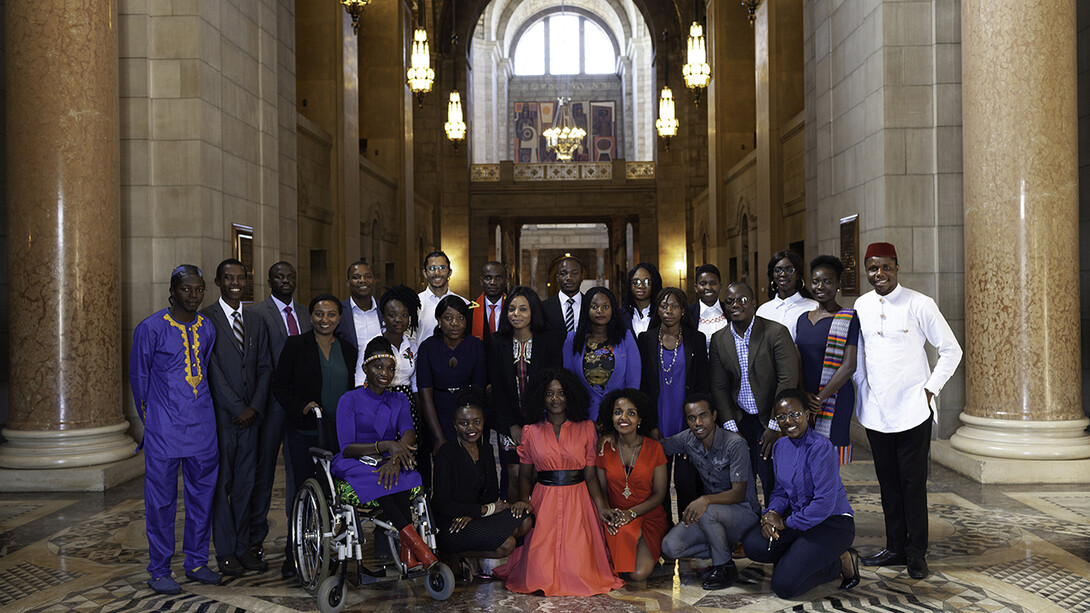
993, 548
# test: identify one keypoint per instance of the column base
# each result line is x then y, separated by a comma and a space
990, 470
1023, 439
41, 449
77, 479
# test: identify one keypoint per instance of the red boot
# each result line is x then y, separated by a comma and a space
416, 547
406, 553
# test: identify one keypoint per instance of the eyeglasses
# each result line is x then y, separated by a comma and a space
436, 268
641, 282
791, 415
784, 270
743, 301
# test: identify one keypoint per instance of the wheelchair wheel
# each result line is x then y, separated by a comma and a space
440, 582
331, 595
310, 523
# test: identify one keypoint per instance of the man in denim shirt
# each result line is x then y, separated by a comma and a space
729, 508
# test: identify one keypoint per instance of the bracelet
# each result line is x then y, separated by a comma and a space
633, 513
489, 509
376, 448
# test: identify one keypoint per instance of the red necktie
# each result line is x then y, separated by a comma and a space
492, 318
293, 328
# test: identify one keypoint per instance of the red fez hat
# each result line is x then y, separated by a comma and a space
881, 250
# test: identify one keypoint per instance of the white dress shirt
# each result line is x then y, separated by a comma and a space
575, 307
428, 320
284, 316
894, 370
786, 311
641, 320
368, 325
406, 363
488, 307
712, 320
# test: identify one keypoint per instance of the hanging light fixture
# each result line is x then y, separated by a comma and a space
564, 138
751, 6
421, 75
667, 122
455, 126
697, 71
355, 9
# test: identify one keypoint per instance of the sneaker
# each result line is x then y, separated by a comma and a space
204, 575
165, 585
722, 577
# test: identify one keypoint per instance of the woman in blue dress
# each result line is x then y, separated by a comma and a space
375, 421
602, 351
827, 338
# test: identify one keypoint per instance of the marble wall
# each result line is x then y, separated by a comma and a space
4, 342
1082, 11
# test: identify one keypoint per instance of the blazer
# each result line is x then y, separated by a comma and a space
554, 314
238, 378
459, 490
773, 367
277, 331
499, 354
346, 329
298, 379
626, 368
696, 362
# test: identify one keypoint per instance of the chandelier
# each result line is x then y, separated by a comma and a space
455, 127
421, 74
667, 122
355, 9
565, 137
697, 71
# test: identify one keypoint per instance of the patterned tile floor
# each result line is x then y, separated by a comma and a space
993, 549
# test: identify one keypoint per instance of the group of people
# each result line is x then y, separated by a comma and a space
597, 404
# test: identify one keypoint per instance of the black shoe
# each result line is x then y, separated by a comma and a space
722, 577
917, 568
251, 561
850, 582
885, 558
287, 570
230, 566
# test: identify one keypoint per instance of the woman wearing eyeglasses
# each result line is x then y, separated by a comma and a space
808, 527
644, 283
790, 298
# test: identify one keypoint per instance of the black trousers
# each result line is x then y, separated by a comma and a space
270, 428
234, 490
901, 464
804, 559
751, 429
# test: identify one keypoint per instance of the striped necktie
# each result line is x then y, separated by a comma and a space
237, 326
569, 316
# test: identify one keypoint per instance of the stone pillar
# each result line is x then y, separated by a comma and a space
533, 272
65, 229
600, 263
1023, 397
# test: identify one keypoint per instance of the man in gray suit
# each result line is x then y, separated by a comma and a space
751, 361
238, 376
282, 317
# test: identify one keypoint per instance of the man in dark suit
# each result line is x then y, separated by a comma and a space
488, 311
562, 310
745, 389
238, 377
282, 317
360, 320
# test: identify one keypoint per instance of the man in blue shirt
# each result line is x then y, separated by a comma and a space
729, 508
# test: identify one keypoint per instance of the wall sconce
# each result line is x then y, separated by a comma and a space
355, 9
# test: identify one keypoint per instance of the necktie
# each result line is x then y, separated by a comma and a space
569, 316
492, 318
293, 328
237, 326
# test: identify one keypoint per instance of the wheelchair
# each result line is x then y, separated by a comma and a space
326, 531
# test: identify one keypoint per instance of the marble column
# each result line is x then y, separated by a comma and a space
600, 265
1023, 396
64, 227
533, 272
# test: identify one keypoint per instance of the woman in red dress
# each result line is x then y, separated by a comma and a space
632, 472
565, 553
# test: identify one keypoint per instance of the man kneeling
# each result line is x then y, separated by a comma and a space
722, 516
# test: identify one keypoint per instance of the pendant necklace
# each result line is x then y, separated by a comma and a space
628, 467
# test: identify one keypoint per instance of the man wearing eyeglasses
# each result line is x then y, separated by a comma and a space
751, 361
437, 273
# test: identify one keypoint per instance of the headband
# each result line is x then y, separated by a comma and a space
379, 356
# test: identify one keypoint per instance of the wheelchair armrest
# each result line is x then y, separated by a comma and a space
320, 453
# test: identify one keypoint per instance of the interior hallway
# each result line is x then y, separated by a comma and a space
994, 548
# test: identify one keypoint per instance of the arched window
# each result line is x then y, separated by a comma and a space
565, 43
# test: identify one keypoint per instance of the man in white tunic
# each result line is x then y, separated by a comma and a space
895, 401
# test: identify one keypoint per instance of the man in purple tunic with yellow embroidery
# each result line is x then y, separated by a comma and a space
167, 370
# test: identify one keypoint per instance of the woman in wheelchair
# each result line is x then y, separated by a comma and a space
374, 424
473, 521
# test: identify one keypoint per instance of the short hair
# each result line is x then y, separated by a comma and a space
615, 329
451, 302
320, 297
743, 285
494, 263
229, 262
537, 311
378, 346
628, 303
408, 298
791, 394
700, 397
710, 269
582, 266
471, 396
833, 263
647, 410
280, 263
182, 271
359, 262
796, 261
682, 300
435, 254
578, 399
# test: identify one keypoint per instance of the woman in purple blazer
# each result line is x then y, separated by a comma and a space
602, 351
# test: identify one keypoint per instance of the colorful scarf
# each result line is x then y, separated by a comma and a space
834, 357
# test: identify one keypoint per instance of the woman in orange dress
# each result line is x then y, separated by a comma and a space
632, 472
565, 553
